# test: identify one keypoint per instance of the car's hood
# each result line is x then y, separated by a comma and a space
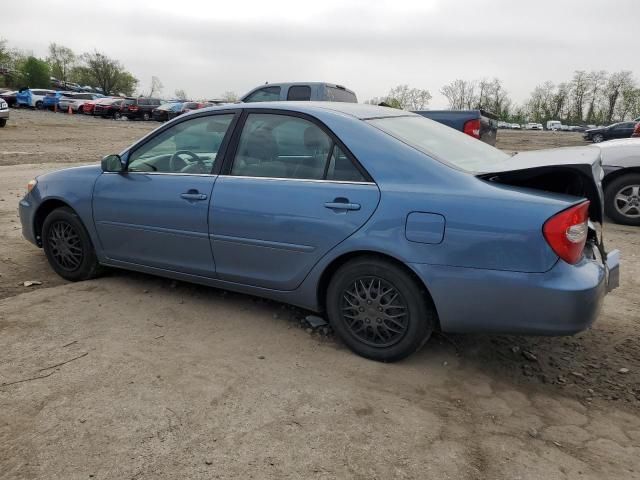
88, 171
594, 130
548, 169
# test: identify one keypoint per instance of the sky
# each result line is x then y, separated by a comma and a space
209, 47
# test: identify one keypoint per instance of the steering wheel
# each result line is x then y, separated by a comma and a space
176, 164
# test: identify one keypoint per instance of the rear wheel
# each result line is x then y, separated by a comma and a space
3, 122
379, 310
145, 116
117, 115
39, 104
68, 246
622, 199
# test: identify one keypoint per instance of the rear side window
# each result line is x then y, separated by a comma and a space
341, 168
335, 94
281, 146
299, 93
267, 94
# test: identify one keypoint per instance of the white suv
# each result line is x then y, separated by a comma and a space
4, 112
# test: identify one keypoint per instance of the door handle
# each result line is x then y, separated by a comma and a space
193, 195
342, 204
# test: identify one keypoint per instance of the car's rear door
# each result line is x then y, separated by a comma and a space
289, 194
156, 213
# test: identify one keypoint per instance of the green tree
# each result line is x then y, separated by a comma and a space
61, 60
109, 74
35, 73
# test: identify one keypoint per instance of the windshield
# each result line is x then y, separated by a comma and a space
441, 142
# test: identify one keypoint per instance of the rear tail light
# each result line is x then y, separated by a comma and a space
133, 108
566, 232
636, 131
472, 127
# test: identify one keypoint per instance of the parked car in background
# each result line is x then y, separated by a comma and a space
9, 97
339, 208
577, 128
621, 182
617, 130
4, 113
533, 126
33, 98
76, 101
139, 108
51, 100
516, 126
554, 125
109, 108
89, 105
479, 124
300, 91
167, 111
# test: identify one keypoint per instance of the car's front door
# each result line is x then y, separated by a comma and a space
291, 194
155, 213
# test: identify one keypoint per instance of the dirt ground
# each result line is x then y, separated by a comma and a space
131, 376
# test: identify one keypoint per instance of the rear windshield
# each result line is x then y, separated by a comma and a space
441, 142
335, 94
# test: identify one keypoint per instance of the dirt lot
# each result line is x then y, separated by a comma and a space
132, 376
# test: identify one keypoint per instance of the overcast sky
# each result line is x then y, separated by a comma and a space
208, 47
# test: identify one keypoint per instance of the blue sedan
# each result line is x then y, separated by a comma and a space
390, 223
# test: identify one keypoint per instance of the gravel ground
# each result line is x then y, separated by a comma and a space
133, 376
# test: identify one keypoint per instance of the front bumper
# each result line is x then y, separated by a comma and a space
4, 113
565, 300
27, 212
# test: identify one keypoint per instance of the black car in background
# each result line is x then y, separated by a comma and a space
167, 111
10, 97
141, 107
616, 130
108, 107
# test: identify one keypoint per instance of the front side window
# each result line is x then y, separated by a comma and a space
281, 146
187, 147
299, 93
267, 94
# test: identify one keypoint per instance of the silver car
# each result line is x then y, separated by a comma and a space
4, 112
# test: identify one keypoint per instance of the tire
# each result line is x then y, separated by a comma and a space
407, 316
39, 105
117, 115
63, 229
597, 138
623, 193
3, 122
145, 116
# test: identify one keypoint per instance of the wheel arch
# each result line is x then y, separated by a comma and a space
43, 210
617, 174
337, 262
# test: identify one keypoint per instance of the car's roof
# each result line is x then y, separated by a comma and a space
357, 110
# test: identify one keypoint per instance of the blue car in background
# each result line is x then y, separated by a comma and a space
390, 223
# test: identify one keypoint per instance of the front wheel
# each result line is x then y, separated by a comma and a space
379, 310
39, 105
68, 246
622, 199
597, 138
3, 122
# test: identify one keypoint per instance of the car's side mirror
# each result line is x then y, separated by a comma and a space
113, 163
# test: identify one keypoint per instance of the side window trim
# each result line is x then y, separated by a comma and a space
222, 152
225, 168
